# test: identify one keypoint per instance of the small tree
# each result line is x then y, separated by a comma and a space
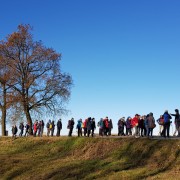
37, 80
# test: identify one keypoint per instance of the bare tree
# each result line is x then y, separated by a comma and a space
37, 80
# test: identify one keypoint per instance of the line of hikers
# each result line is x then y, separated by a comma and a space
136, 126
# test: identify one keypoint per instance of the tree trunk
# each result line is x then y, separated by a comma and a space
28, 116
29, 120
4, 121
3, 108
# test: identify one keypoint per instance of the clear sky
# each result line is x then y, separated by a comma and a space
123, 55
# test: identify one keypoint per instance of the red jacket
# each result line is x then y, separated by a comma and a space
106, 123
35, 127
134, 122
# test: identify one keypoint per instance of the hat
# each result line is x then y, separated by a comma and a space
176, 110
137, 115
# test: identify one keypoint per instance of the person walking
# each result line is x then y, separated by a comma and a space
121, 124
160, 121
59, 127
89, 123
128, 126
110, 126
134, 123
71, 126
35, 127
21, 127
141, 126
100, 124
14, 131
52, 127
151, 124
167, 123
48, 127
79, 127
42, 128
85, 127
39, 128
176, 122
27, 130
106, 126
93, 126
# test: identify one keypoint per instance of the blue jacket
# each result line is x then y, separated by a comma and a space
79, 124
167, 117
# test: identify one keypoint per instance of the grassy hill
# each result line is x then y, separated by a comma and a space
89, 158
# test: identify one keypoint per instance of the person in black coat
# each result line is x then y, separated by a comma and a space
177, 122
59, 127
70, 126
14, 131
21, 127
93, 126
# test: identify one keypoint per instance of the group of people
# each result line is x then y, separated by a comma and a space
136, 126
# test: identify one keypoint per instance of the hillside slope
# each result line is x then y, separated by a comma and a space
89, 158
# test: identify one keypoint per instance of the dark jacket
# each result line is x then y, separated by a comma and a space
110, 125
59, 124
177, 118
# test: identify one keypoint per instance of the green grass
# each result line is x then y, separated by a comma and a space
89, 158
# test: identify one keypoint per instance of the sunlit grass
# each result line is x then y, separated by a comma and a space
88, 158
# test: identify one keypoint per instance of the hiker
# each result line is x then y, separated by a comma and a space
177, 122
146, 124
27, 130
151, 124
42, 128
70, 126
89, 122
21, 127
14, 131
167, 123
141, 126
128, 126
48, 127
52, 127
93, 126
35, 128
39, 128
160, 121
134, 123
59, 127
101, 127
121, 124
79, 127
106, 126
84, 125
110, 127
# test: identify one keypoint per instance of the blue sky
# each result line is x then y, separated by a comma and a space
124, 56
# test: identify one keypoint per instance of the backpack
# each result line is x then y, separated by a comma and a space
50, 126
